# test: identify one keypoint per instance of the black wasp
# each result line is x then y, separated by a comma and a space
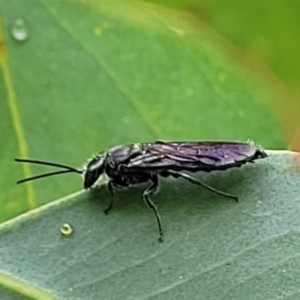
133, 164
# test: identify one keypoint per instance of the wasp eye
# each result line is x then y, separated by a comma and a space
94, 170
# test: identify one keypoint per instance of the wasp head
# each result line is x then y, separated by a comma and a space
93, 171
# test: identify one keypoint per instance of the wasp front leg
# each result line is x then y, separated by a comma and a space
110, 187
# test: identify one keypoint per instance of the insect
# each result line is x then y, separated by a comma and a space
134, 164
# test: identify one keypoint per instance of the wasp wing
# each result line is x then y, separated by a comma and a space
194, 156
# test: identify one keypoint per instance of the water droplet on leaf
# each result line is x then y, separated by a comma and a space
19, 30
66, 229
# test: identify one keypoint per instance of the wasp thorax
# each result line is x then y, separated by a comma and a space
93, 171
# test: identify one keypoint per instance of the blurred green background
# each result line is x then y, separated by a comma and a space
78, 77
264, 37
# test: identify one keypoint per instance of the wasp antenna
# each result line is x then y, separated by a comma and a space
67, 169
44, 175
46, 163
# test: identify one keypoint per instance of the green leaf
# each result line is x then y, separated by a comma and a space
79, 77
214, 248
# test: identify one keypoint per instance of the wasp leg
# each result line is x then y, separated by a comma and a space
110, 188
198, 182
151, 190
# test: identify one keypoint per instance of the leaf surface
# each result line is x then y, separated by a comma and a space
214, 248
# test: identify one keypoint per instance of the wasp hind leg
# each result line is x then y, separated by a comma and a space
151, 190
198, 182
